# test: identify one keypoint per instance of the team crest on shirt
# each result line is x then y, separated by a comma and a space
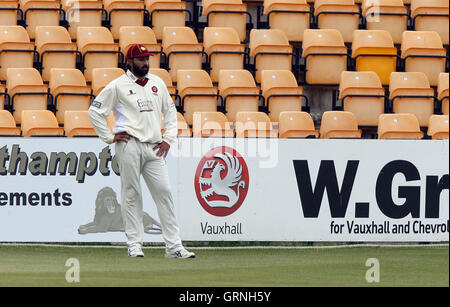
155, 90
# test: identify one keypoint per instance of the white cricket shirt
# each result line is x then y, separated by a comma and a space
137, 110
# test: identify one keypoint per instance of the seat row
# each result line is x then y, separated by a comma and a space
334, 124
360, 93
324, 53
292, 16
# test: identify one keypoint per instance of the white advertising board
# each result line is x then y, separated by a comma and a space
66, 190
313, 190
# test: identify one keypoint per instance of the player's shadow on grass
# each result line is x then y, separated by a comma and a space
108, 216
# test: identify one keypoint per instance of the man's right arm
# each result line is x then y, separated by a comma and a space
100, 109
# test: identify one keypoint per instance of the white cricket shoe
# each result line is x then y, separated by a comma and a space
135, 251
181, 253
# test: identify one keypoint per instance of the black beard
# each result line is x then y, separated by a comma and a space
140, 72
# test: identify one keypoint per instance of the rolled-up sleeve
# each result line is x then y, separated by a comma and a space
100, 109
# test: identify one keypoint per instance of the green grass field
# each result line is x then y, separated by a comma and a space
45, 266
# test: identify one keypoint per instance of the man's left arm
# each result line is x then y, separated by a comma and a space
170, 124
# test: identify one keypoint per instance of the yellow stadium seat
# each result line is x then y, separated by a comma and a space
339, 124
102, 76
431, 15
442, 92
388, 15
40, 123
40, 13
211, 124
8, 12
239, 92
69, 90
399, 126
182, 50
224, 50
97, 46
166, 13
270, 49
13, 39
124, 13
83, 13
281, 93
325, 56
341, 15
362, 94
423, 51
3, 96
196, 92
227, 13
27, 91
290, 16
183, 127
77, 123
438, 127
295, 124
373, 50
56, 50
7, 124
143, 36
410, 92
254, 125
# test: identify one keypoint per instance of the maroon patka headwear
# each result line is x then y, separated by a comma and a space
137, 51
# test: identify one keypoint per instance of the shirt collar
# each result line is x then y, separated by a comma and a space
133, 77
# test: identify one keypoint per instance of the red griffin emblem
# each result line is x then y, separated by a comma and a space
221, 181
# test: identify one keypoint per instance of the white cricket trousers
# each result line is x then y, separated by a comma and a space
136, 159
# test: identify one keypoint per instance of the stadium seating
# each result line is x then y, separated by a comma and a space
102, 76
254, 125
239, 92
399, 126
124, 13
166, 13
281, 92
97, 46
40, 13
83, 13
8, 12
295, 124
69, 90
387, 15
442, 92
325, 56
8, 125
373, 50
362, 94
16, 49
3, 96
211, 124
27, 91
196, 92
224, 50
438, 127
227, 13
40, 123
129, 35
423, 51
183, 127
339, 124
290, 16
270, 49
410, 92
77, 123
341, 15
431, 15
55, 48
182, 50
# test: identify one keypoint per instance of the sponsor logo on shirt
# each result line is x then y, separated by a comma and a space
96, 104
145, 105
131, 92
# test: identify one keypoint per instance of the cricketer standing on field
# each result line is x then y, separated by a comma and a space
138, 99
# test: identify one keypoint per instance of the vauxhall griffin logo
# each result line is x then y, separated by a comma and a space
221, 181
